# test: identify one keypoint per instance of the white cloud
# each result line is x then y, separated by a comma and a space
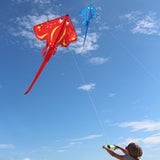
144, 24
141, 125
7, 146
77, 141
61, 150
111, 95
148, 126
129, 140
89, 137
27, 158
90, 44
98, 60
45, 149
133, 16
87, 87
154, 139
24, 28
119, 27
68, 146
42, 2
149, 140
103, 27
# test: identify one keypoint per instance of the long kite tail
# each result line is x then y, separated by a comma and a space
87, 25
46, 59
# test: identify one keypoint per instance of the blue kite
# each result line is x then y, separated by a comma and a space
87, 14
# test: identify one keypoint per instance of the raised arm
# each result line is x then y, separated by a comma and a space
112, 153
122, 149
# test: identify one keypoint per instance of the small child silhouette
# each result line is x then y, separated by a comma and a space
132, 152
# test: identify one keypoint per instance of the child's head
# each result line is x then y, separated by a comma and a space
134, 150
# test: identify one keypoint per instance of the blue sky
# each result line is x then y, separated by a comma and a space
105, 93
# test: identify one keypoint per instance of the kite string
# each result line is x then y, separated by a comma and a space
90, 99
135, 59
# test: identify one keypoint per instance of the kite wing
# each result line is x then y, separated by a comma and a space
83, 15
87, 14
83, 12
94, 13
56, 32
50, 31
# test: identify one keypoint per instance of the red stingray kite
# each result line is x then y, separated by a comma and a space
59, 31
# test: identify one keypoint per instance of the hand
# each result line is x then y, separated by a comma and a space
104, 147
117, 147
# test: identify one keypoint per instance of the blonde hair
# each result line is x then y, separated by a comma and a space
134, 150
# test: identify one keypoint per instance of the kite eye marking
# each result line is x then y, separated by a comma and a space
60, 20
67, 22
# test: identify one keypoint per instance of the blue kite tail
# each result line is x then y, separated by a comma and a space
87, 25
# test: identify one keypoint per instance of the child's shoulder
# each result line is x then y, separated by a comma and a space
128, 157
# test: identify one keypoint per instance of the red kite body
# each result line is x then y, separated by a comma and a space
59, 31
